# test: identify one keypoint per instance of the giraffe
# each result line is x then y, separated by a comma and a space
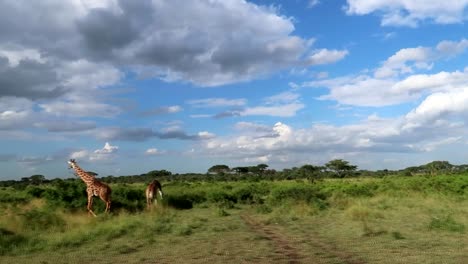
151, 192
93, 187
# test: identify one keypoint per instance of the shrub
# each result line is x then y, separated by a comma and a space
306, 193
184, 200
253, 193
38, 220
10, 195
9, 240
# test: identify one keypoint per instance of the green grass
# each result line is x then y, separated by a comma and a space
387, 220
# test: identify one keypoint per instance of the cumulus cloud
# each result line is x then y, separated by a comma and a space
325, 56
439, 106
29, 79
69, 52
106, 153
171, 40
397, 80
409, 12
107, 149
399, 62
418, 131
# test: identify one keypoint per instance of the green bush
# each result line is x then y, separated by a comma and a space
306, 193
9, 241
10, 195
40, 219
252, 193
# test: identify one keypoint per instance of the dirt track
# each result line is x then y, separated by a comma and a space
287, 249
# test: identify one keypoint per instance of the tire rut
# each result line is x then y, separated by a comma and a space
287, 251
283, 247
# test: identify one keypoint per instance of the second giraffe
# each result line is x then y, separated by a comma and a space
151, 190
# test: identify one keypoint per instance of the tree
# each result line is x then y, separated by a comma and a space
340, 167
262, 167
438, 167
34, 179
219, 169
158, 173
241, 170
309, 171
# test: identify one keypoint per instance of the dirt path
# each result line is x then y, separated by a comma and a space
285, 251
287, 248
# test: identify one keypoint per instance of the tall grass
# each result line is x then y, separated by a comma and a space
53, 217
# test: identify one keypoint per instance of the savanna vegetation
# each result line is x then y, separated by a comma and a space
310, 214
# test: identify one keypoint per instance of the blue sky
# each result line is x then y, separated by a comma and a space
126, 87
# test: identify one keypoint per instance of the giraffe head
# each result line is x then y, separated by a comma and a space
71, 163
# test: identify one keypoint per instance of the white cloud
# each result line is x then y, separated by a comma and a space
80, 154
205, 135
325, 56
428, 127
410, 12
15, 113
80, 108
153, 151
439, 106
313, 3
106, 153
284, 97
285, 104
283, 110
107, 149
398, 63
217, 102
15, 55
172, 40
452, 48
360, 91
442, 81
397, 80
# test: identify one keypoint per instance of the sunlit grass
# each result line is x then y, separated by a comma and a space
375, 220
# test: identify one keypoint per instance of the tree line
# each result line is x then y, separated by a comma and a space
337, 168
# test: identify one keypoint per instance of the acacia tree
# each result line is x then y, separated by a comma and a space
218, 169
341, 168
241, 170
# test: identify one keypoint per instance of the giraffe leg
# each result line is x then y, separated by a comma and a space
90, 205
149, 202
108, 205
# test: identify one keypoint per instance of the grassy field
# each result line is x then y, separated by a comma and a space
368, 220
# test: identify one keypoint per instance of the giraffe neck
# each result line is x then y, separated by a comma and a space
88, 179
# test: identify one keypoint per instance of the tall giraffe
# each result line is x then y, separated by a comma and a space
93, 187
151, 192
